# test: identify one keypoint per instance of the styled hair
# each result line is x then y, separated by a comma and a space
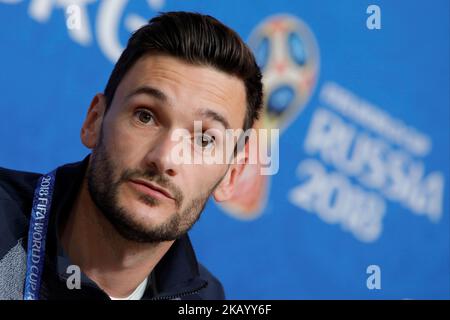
198, 40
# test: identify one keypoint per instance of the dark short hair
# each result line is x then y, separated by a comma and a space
199, 40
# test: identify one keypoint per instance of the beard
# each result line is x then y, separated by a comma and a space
104, 190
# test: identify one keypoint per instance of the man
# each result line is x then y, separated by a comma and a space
121, 216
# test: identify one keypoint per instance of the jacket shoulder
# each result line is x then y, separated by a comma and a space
214, 290
17, 186
16, 196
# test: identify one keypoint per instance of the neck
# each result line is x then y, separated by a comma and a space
115, 264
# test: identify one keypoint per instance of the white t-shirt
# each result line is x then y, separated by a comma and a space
137, 293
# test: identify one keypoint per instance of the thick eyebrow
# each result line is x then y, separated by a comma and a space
149, 91
159, 95
213, 115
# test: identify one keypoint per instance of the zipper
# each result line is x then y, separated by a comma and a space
181, 294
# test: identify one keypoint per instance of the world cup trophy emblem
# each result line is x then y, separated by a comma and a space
288, 55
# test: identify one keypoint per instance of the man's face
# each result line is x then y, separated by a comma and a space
132, 156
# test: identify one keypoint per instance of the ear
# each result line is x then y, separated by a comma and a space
90, 131
226, 187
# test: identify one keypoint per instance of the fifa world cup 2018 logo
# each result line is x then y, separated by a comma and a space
288, 55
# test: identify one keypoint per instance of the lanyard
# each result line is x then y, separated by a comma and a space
37, 234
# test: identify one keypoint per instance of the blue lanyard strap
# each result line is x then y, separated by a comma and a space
37, 234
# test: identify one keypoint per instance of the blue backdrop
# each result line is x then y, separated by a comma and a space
359, 207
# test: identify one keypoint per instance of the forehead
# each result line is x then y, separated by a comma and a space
187, 87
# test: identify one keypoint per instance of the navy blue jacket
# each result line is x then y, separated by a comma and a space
177, 276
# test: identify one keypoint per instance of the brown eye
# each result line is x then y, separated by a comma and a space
205, 141
144, 116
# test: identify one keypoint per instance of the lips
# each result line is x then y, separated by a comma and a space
151, 188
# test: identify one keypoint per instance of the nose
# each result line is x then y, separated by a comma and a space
160, 156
